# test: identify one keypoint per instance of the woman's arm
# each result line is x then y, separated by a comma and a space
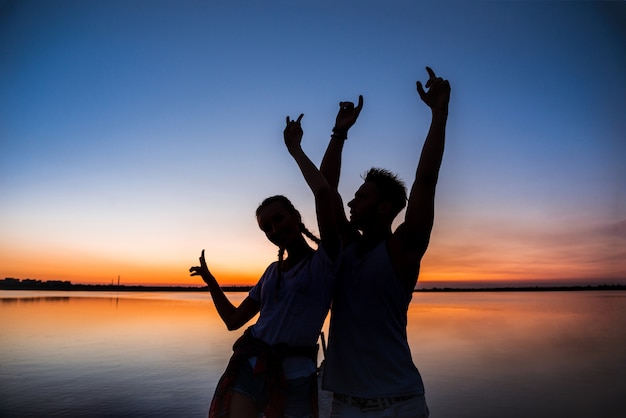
233, 316
325, 199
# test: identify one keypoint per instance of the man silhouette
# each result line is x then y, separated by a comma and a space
368, 364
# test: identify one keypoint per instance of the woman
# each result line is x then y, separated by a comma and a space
273, 367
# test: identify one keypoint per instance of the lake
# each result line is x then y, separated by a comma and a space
481, 354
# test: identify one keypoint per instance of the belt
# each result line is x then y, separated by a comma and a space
371, 404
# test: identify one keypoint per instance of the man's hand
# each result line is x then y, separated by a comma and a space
293, 133
347, 115
438, 94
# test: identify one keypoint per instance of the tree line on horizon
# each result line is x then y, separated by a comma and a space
10, 283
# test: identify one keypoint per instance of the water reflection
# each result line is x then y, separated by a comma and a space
35, 299
480, 354
530, 353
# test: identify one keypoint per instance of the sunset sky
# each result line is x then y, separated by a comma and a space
134, 134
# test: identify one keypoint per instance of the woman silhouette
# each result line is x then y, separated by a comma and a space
273, 367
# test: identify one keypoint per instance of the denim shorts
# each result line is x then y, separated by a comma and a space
297, 395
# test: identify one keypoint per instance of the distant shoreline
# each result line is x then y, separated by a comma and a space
30, 284
524, 288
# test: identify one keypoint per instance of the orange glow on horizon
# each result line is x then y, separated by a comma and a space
438, 267
80, 270
88, 268
178, 276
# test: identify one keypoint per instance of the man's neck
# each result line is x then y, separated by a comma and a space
371, 238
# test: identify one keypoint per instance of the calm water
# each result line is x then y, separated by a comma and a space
487, 354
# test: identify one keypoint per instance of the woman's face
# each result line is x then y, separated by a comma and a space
281, 226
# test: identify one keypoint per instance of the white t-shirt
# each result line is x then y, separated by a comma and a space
296, 313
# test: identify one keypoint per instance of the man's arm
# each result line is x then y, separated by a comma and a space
411, 238
331, 162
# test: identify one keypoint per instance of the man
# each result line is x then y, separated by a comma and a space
368, 364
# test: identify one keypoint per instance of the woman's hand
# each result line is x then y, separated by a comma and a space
203, 271
293, 133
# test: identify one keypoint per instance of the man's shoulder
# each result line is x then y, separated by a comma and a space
404, 243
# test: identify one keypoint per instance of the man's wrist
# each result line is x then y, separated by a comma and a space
339, 133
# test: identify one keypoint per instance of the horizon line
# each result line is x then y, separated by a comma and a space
34, 284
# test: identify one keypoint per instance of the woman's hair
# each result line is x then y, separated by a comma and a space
303, 229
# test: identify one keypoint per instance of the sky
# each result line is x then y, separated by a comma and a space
134, 134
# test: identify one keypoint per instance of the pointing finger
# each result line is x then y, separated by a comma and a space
431, 75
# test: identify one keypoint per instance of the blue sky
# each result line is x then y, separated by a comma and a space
135, 133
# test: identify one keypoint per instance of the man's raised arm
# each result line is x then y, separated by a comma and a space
420, 208
331, 162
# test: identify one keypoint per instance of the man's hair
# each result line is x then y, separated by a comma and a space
389, 186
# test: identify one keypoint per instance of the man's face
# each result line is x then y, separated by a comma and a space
364, 206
